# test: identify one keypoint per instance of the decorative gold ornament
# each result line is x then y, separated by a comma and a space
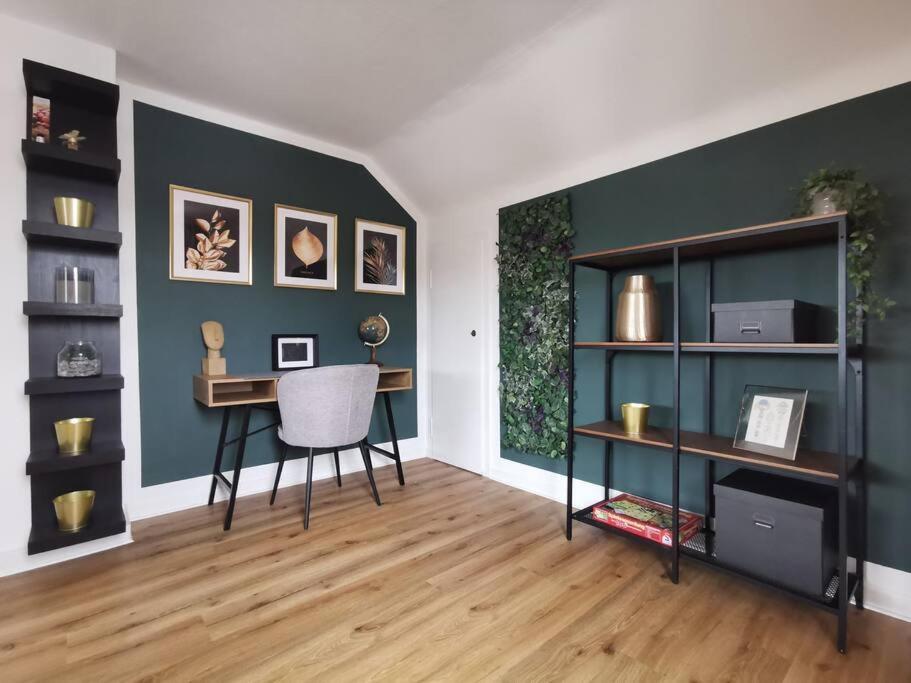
635, 417
73, 510
72, 139
74, 435
74, 212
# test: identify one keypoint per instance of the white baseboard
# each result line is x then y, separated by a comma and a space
16, 560
887, 590
151, 501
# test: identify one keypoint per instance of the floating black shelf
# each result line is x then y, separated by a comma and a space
89, 106
48, 308
60, 85
70, 385
50, 460
39, 232
42, 539
46, 157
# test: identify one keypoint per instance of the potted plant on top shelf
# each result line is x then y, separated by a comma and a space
828, 190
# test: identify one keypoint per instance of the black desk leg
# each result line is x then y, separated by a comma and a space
219, 452
238, 464
395, 439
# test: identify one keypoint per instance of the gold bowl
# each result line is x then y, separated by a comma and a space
73, 510
635, 417
74, 212
74, 435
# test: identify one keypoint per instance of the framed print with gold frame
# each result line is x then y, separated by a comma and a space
211, 237
379, 257
306, 248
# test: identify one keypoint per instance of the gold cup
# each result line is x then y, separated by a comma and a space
73, 510
635, 417
74, 212
74, 435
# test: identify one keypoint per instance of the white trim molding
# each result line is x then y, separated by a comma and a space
161, 499
887, 590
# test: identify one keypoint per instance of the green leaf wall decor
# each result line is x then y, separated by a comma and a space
535, 242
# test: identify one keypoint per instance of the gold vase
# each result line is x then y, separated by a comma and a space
73, 510
635, 417
74, 212
638, 312
74, 435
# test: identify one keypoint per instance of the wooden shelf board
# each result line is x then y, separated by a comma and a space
52, 233
788, 233
49, 308
47, 157
69, 385
43, 539
713, 347
51, 460
817, 465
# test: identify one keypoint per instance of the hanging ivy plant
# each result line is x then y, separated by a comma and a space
845, 190
535, 242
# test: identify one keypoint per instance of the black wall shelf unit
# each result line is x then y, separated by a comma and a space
92, 172
841, 469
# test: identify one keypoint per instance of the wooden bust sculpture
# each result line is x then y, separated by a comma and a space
213, 335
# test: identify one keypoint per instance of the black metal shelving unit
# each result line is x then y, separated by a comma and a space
839, 469
89, 105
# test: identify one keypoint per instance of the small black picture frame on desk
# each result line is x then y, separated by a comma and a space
295, 351
770, 420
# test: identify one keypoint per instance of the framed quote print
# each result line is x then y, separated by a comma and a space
379, 257
211, 237
306, 248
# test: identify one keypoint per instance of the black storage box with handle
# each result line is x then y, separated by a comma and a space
786, 321
777, 528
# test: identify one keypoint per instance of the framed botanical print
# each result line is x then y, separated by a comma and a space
306, 248
295, 351
211, 237
379, 257
770, 420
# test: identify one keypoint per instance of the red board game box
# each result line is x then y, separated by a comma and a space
646, 518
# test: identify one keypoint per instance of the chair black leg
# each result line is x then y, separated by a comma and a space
278, 474
309, 488
365, 454
338, 469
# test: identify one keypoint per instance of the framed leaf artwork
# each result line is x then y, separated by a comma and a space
211, 237
306, 248
379, 257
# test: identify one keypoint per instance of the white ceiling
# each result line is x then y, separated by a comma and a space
461, 99
350, 72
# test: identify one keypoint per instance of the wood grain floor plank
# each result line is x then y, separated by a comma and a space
454, 578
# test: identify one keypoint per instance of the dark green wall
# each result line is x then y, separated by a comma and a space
179, 435
744, 180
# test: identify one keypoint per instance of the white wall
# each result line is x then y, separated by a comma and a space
20, 40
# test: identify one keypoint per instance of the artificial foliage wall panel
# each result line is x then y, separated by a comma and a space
535, 241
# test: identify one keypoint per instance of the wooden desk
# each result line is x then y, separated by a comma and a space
260, 391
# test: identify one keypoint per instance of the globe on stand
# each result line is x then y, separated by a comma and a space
373, 331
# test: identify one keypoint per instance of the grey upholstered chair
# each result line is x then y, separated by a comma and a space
326, 408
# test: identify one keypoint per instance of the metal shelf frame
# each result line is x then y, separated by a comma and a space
850, 432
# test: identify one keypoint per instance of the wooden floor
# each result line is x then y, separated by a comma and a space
454, 578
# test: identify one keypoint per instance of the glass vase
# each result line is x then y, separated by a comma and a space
78, 359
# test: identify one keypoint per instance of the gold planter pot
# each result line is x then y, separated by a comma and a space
638, 311
73, 510
74, 212
635, 417
74, 435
